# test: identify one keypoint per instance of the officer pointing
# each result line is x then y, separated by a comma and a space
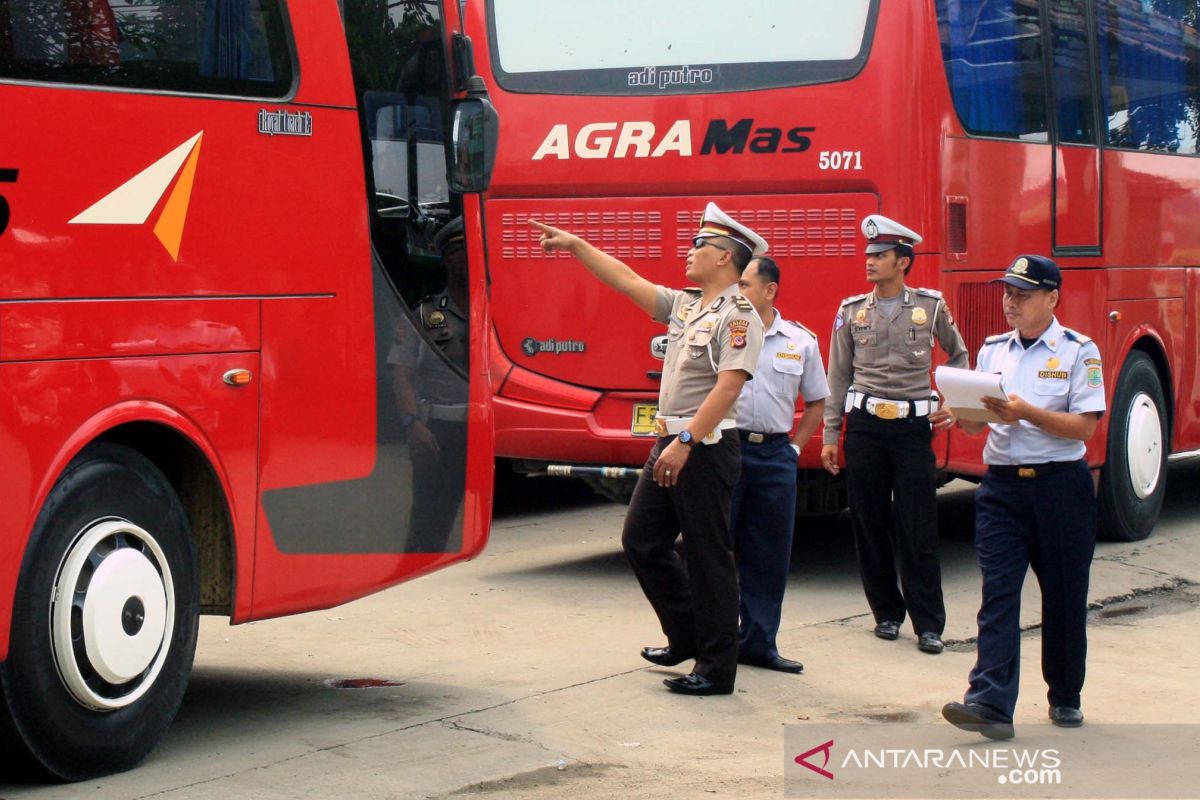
879, 362
713, 340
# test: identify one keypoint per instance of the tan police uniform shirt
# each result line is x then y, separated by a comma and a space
888, 358
726, 334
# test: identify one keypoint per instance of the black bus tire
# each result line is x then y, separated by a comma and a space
104, 621
1134, 478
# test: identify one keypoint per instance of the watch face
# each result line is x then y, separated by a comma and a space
685, 437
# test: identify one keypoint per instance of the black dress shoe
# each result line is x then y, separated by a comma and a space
697, 685
1066, 717
978, 718
930, 643
888, 630
665, 656
777, 663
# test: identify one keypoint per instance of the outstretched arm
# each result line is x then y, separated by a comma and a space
616, 274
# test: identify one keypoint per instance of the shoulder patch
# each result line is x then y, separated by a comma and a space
999, 337
854, 299
1076, 336
743, 303
930, 293
801, 327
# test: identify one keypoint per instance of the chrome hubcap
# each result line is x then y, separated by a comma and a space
1143, 445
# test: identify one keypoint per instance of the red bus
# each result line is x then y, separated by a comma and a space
992, 127
233, 288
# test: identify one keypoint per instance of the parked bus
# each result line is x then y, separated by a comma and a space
992, 127
221, 225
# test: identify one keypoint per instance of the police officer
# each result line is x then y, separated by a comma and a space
764, 502
1037, 504
428, 368
713, 340
879, 363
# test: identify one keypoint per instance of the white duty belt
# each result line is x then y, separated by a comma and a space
669, 426
448, 412
889, 409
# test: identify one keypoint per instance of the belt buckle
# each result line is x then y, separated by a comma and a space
660, 426
1026, 472
887, 410
756, 438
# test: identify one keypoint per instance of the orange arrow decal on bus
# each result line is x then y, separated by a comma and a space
132, 202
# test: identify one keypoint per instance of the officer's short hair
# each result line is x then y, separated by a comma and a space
741, 253
904, 251
768, 270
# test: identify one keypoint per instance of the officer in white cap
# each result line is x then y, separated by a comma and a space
1036, 505
714, 337
879, 361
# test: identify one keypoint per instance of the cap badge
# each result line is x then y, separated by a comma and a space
1052, 363
871, 229
919, 317
1021, 267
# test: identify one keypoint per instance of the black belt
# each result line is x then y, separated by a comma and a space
1032, 470
760, 438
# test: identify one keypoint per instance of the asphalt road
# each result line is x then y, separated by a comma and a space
517, 675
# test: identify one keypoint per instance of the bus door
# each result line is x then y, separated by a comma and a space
1076, 178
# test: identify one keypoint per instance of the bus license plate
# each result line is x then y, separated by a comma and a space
643, 419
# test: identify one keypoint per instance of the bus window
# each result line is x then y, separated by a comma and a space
1072, 72
233, 47
1150, 74
399, 65
676, 46
992, 50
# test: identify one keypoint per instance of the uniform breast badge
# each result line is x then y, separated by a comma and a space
437, 319
919, 317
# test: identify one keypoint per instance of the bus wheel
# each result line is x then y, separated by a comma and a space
104, 620
1134, 478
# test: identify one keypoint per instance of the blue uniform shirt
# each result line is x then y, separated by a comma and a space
1061, 371
789, 365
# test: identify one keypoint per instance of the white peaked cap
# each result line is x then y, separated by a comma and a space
883, 234
717, 223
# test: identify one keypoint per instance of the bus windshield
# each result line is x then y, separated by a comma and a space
676, 47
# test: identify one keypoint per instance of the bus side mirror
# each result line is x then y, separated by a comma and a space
474, 132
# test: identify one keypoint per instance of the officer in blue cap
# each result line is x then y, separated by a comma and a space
1036, 505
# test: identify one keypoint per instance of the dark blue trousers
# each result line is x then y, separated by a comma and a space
762, 516
1048, 523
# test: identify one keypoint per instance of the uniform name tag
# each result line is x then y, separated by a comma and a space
1053, 373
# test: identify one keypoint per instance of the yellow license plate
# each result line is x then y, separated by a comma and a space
643, 419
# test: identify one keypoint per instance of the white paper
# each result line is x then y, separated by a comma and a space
961, 390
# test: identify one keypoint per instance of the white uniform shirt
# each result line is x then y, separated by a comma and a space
1061, 371
789, 365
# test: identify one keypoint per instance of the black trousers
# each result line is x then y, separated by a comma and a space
892, 482
696, 603
1048, 523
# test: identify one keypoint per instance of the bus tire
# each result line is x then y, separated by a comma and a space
104, 621
1134, 477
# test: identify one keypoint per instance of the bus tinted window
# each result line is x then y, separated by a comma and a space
993, 55
1072, 72
1150, 60
234, 47
676, 46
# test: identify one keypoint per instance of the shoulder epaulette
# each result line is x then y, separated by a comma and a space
742, 303
1076, 336
930, 293
854, 299
801, 327
999, 337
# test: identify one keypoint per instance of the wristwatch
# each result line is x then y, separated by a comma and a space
796, 447
685, 437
